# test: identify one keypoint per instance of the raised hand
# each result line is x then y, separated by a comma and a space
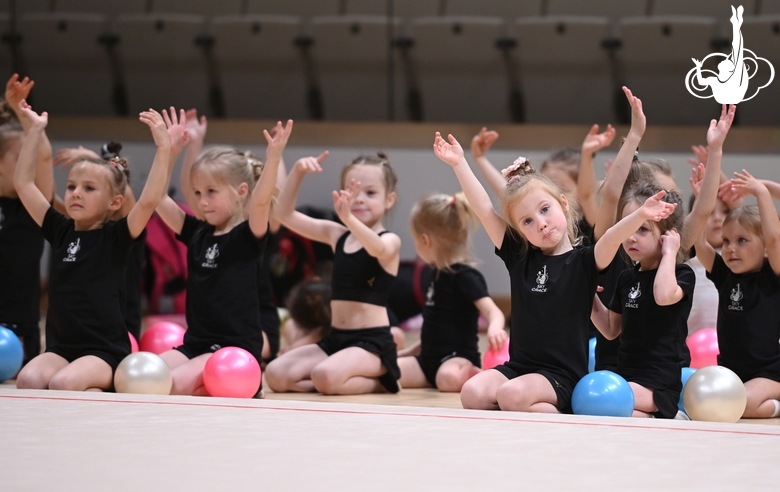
728, 193
451, 153
745, 184
670, 243
278, 141
697, 176
654, 209
178, 133
595, 141
482, 142
67, 157
696, 62
718, 130
638, 120
342, 200
17, 90
155, 122
196, 127
701, 153
36, 121
311, 164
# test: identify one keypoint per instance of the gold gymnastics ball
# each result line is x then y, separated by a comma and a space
715, 394
144, 373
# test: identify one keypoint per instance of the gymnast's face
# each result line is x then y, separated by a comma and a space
743, 250
372, 200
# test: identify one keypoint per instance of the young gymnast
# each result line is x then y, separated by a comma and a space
223, 257
359, 355
269, 316
650, 308
552, 284
447, 354
21, 241
88, 272
746, 275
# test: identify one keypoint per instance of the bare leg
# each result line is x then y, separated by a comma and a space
454, 373
292, 371
174, 358
528, 393
351, 371
481, 391
39, 371
399, 337
88, 373
644, 405
412, 375
759, 393
188, 376
266, 354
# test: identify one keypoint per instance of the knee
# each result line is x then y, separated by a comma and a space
512, 398
64, 382
452, 380
475, 396
28, 379
274, 377
323, 380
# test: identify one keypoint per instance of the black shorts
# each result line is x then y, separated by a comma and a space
193, 350
562, 385
377, 340
665, 396
269, 323
112, 360
430, 365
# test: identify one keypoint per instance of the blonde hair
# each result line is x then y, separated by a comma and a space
381, 160
449, 220
748, 217
522, 178
230, 167
10, 128
675, 221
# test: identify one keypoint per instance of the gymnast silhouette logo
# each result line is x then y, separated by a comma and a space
73, 248
635, 292
211, 255
429, 296
736, 296
730, 84
541, 279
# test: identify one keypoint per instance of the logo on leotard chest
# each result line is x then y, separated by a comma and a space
211, 255
541, 280
736, 296
633, 294
429, 296
73, 248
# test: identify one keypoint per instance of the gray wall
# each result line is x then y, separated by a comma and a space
419, 173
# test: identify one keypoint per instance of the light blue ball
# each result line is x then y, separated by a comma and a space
592, 354
11, 354
603, 393
686, 373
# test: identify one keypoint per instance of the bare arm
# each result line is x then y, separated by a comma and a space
705, 201
324, 231
24, 176
197, 133
586, 182
616, 178
653, 209
666, 290
260, 205
496, 333
452, 154
480, 144
412, 350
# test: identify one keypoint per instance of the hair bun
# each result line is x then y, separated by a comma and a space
520, 167
110, 150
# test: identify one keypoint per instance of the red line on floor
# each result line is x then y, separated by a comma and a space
393, 414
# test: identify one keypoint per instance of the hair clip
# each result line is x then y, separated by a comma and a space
515, 166
452, 200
